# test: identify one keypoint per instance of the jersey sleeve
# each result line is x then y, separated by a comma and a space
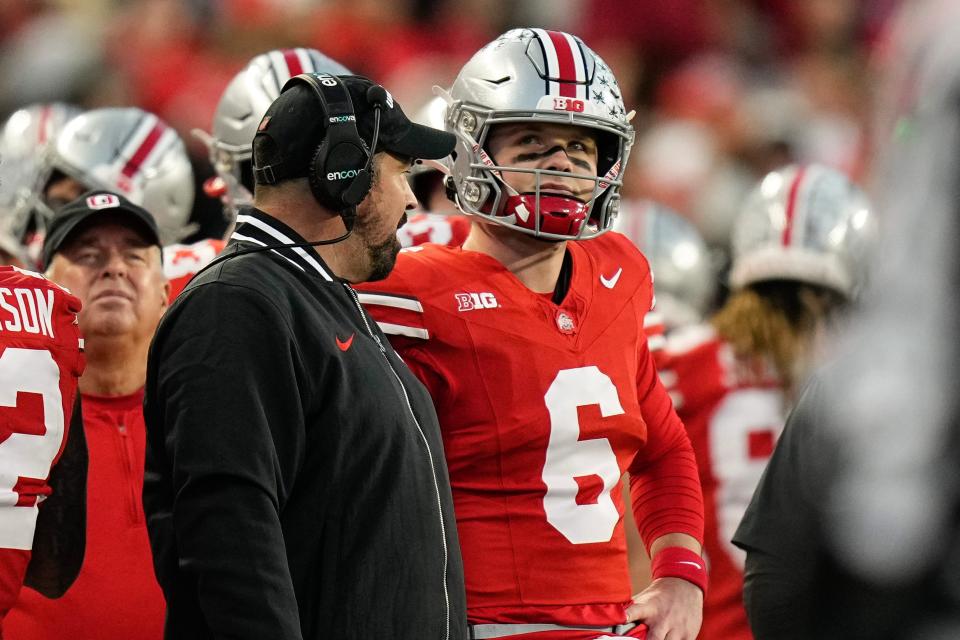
664, 482
401, 316
40, 361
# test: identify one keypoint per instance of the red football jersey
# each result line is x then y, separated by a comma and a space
436, 228
542, 408
734, 415
182, 261
41, 358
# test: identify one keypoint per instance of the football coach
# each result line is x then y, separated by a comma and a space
295, 481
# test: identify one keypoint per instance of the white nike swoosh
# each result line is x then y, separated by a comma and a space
698, 566
612, 281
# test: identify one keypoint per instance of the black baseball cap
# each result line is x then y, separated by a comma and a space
91, 205
294, 126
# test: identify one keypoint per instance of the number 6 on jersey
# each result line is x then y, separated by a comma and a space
568, 457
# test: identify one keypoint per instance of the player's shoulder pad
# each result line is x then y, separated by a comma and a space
18, 276
685, 340
613, 249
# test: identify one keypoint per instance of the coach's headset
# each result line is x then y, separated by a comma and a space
339, 171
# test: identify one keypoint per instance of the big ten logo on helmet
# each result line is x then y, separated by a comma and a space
568, 104
471, 301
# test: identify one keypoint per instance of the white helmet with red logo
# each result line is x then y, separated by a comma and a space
24, 141
685, 277
240, 110
533, 75
807, 223
134, 153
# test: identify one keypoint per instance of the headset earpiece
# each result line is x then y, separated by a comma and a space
339, 172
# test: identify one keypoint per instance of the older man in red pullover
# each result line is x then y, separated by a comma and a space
106, 251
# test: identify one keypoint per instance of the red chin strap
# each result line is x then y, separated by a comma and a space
562, 215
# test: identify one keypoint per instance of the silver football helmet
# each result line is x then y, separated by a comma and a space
533, 75
240, 110
806, 223
25, 139
685, 278
135, 153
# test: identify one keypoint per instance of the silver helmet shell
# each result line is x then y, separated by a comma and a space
25, 139
808, 223
685, 277
135, 153
241, 108
533, 75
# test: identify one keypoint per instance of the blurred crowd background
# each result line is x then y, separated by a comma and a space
724, 90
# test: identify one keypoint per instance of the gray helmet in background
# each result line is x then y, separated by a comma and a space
240, 110
807, 223
134, 153
533, 75
25, 139
685, 280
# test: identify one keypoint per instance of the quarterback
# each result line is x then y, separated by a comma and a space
530, 339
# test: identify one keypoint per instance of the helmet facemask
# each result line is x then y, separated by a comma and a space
485, 193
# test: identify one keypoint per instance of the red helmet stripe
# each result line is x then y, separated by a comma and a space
133, 164
44, 124
566, 66
792, 205
293, 62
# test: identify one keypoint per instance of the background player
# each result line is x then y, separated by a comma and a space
533, 350
686, 285
41, 357
438, 220
799, 256
25, 140
230, 147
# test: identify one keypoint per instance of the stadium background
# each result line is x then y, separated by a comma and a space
724, 90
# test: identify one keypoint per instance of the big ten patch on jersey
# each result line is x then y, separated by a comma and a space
182, 261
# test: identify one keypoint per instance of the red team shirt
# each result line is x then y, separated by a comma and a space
734, 417
41, 358
543, 407
116, 595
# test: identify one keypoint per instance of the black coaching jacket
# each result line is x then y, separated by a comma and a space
295, 481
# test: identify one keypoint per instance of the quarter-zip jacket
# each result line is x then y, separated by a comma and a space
295, 481
115, 595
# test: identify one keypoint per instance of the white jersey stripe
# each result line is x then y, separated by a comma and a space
657, 342
385, 300
240, 236
402, 330
263, 226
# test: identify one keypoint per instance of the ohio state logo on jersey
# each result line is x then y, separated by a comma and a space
471, 301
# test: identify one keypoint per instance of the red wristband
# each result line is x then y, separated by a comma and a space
683, 563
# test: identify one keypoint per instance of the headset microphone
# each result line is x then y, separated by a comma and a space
376, 96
